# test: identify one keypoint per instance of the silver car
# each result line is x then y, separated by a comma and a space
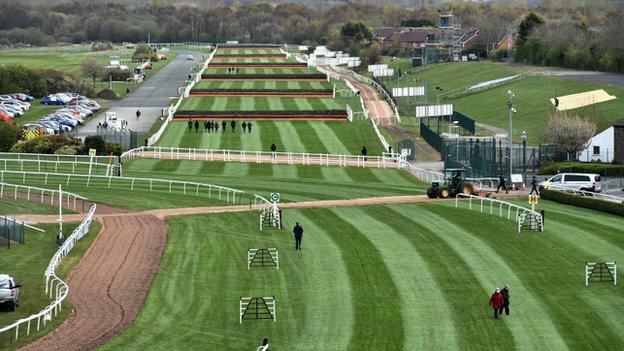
576, 181
9, 292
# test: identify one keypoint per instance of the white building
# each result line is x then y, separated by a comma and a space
606, 146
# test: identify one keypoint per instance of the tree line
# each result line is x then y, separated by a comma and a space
572, 34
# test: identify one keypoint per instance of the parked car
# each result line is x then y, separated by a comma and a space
9, 292
52, 100
576, 181
190, 57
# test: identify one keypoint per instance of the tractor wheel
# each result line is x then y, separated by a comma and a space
466, 188
445, 193
432, 193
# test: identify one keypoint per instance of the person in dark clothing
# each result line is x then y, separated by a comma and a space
273, 150
138, 114
534, 186
223, 126
233, 125
501, 183
390, 149
206, 127
496, 301
505, 305
364, 152
215, 125
248, 127
196, 126
298, 232
244, 127
190, 125
264, 346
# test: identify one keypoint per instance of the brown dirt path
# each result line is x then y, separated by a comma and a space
109, 286
377, 107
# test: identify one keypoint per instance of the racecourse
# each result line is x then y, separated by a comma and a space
403, 277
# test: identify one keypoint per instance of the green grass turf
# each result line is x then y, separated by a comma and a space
295, 183
404, 277
318, 137
264, 85
531, 100
27, 263
255, 60
240, 51
12, 206
259, 104
244, 71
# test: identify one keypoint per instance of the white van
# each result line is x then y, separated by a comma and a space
576, 181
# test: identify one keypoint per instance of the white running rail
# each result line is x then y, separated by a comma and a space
421, 173
501, 208
102, 159
386, 160
83, 167
151, 184
55, 287
33, 193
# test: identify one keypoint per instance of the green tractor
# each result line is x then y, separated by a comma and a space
454, 183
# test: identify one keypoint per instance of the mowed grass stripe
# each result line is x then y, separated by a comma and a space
565, 244
330, 140
250, 141
422, 300
308, 136
454, 285
290, 138
533, 328
375, 297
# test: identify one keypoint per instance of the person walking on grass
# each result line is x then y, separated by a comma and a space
364, 152
501, 183
196, 126
264, 346
233, 125
273, 150
244, 125
505, 305
298, 232
534, 186
496, 301
223, 126
215, 126
190, 125
248, 127
206, 127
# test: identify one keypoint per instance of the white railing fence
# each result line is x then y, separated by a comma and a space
495, 207
484, 183
386, 160
103, 159
55, 287
601, 196
44, 196
222, 193
421, 173
612, 185
83, 167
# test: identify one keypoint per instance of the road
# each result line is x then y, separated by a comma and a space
151, 96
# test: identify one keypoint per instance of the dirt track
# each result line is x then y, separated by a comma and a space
377, 107
110, 284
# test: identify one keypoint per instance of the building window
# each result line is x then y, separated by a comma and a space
596, 150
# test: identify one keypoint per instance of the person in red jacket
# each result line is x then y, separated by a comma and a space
496, 301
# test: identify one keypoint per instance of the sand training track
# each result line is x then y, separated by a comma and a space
109, 286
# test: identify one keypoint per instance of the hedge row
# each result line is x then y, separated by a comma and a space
264, 76
604, 169
583, 201
317, 91
272, 64
251, 113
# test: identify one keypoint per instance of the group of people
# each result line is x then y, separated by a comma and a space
502, 183
499, 301
232, 70
213, 126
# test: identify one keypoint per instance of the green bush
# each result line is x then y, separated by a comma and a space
583, 201
94, 142
264, 76
116, 74
114, 148
604, 169
46, 144
9, 135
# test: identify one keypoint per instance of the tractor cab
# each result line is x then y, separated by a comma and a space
454, 183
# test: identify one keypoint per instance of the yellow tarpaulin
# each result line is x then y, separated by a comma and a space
569, 102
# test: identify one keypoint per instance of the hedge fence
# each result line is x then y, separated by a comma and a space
583, 201
251, 113
604, 169
264, 76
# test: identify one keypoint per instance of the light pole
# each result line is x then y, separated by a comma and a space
524, 136
511, 110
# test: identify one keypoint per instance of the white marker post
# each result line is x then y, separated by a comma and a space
60, 220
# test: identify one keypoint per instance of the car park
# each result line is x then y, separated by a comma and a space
9, 292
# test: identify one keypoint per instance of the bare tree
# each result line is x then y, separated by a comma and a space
570, 133
93, 67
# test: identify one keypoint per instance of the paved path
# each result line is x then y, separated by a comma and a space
151, 96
